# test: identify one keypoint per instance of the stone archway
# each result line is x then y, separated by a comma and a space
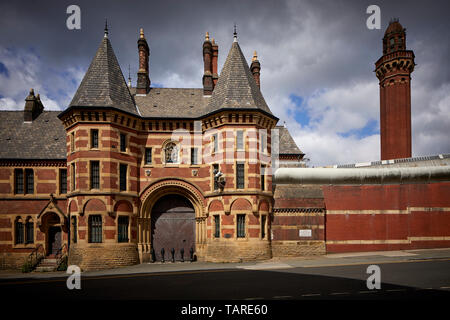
52, 227
150, 197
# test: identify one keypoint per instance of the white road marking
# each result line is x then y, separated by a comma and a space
266, 266
281, 297
257, 298
367, 291
395, 290
311, 295
445, 287
338, 293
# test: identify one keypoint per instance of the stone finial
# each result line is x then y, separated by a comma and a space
255, 56
207, 36
141, 35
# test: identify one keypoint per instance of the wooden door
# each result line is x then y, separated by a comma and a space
173, 226
54, 240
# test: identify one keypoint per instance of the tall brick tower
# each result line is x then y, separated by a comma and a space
393, 70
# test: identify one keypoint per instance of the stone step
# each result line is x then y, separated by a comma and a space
47, 264
45, 268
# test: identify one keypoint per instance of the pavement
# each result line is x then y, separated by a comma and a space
329, 260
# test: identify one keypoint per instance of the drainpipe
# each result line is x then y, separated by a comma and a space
361, 176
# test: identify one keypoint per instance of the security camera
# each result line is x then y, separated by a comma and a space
218, 174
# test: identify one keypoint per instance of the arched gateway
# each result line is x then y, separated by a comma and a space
172, 216
173, 227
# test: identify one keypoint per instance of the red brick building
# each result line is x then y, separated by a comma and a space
132, 174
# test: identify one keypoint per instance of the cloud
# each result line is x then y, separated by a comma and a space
25, 71
318, 51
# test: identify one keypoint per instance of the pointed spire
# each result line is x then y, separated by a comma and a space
141, 34
207, 36
236, 87
106, 29
235, 34
104, 85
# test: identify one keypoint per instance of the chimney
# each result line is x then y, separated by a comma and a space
143, 80
207, 60
255, 68
215, 55
33, 107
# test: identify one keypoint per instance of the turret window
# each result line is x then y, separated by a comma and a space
94, 138
123, 177
240, 226
122, 229
95, 229
217, 226
123, 142
240, 175
263, 177
240, 140
95, 175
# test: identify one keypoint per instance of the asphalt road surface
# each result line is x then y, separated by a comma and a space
404, 280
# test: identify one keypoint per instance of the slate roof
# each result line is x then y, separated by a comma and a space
103, 84
172, 103
236, 87
287, 143
44, 138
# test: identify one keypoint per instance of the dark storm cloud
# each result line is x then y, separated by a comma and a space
320, 51
175, 31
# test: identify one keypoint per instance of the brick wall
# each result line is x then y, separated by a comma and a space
298, 210
387, 217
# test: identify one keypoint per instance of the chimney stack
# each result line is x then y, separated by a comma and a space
143, 80
255, 68
207, 61
215, 56
33, 107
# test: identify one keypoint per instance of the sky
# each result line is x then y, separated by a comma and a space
317, 60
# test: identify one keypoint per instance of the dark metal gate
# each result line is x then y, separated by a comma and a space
173, 228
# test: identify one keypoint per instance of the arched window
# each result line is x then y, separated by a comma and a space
171, 153
19, 231
29, 231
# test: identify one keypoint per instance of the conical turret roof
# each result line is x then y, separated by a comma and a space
236, 87
103, 84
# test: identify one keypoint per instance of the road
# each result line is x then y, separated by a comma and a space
422, 279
